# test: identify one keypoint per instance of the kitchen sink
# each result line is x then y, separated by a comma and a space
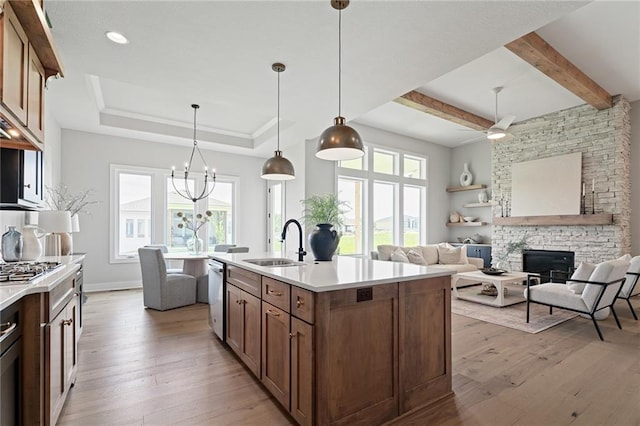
275, 261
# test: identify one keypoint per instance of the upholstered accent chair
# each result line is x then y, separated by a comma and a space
162, 291
580, 294
631, 287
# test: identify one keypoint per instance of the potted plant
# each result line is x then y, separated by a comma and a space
325, 212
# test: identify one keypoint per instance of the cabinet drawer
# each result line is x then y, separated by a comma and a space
60, 295
302, 304
246, 280
276, 292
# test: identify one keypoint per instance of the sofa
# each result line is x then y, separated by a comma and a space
442, 255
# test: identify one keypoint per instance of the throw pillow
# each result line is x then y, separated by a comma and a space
385, 250
583, 273
449, 256
399, 256
415, 256
463, 253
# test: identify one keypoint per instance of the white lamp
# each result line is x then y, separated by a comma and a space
57, 224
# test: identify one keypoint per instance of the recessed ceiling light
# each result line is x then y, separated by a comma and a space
117, 37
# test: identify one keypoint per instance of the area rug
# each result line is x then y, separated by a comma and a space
513, 316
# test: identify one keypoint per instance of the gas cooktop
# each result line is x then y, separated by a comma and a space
24, 272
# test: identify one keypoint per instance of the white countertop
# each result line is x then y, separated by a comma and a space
341, 273
45, 283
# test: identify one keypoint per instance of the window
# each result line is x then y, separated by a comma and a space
134, 203
387, 193
275, 214
145, 207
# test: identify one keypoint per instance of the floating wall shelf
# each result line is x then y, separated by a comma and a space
489, 204
466, 224
578, 219
465, 188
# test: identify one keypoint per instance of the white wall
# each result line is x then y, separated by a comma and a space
478, 156
635, 178
85, 165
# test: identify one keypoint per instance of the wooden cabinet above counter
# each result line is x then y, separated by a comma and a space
28, 58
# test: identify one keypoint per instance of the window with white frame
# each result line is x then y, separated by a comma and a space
145, 209
387, 192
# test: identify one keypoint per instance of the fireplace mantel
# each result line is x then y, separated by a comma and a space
578, 219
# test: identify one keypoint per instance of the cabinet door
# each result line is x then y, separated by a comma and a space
70, 343
302, 377
11, 385
55, 372
234, 319
35, 96
31, 176
251, 332
15, 48
276, 356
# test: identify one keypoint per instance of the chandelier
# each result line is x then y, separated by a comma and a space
209, 179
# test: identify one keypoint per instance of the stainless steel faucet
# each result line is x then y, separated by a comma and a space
301, 251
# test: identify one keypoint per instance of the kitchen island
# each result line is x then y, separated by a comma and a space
342, 342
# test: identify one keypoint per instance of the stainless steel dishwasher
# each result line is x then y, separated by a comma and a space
216, 297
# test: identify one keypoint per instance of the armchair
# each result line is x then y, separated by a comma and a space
600, 291
162, 291
630, 287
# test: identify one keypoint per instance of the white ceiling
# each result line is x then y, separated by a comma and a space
219, 54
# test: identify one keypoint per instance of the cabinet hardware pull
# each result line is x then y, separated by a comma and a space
274, 293
274, 313
28, 186
10, 327
67, 322
292, 335
299, 302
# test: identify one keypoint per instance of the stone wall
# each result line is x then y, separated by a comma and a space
604, 139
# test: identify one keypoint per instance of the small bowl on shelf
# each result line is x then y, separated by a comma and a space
470, 218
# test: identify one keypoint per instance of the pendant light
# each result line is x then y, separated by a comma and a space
339, 142
209, 179
278, 167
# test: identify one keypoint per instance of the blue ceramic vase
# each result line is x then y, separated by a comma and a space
323, 241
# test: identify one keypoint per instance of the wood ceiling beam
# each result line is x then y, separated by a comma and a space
536, 51
424, 103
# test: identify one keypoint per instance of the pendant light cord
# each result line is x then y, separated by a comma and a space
278, 124
340, 63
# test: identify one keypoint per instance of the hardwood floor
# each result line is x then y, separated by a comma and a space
138, 366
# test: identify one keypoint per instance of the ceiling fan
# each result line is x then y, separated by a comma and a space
499, 129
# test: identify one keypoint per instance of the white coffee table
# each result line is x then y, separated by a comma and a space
512, 281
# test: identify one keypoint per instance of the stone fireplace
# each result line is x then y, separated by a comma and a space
604, 139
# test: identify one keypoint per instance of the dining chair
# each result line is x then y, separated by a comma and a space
238, 250
163, 248
162, 291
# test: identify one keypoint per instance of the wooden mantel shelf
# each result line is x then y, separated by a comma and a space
578, 219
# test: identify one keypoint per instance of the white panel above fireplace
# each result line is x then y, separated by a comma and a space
548, 186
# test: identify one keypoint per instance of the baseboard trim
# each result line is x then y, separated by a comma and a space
108, 286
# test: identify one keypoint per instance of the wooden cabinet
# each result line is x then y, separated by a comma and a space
276, 354
15, 62
302, 372
35, 96
243, 327
482, 251
62, 357
11, 365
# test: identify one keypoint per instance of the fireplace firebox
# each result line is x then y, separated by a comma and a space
550, 263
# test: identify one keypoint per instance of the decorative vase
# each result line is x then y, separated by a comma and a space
31, 246
323, 241
483, 196
195, 244
466, 178
12, 245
